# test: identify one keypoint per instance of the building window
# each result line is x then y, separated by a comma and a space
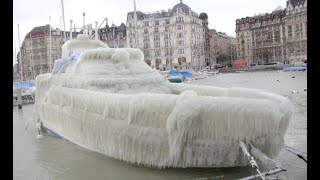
305, 28
146, 31
180, 42
156, 23
146, 24
146, 38
179, 35
179, 19
167, 21
156, 30
166, 43
166, 29
179, 27
179, 10
157, 44
180, 51
157, 53
146, 45
166, 36
156, 37
167, 52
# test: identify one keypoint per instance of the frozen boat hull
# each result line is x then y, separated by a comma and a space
169, 134
110, 101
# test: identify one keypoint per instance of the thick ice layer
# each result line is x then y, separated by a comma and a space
111, 102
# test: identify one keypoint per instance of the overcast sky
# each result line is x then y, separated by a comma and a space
222, 13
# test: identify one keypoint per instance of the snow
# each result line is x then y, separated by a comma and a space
112, 102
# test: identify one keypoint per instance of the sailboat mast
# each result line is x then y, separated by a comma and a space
135, 25
20, 60
64, 25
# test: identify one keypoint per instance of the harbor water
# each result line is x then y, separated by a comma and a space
52, 158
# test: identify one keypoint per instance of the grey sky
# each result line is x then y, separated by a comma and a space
222, 13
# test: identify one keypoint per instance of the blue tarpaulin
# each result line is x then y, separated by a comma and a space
24, 85
60, 65
185, 74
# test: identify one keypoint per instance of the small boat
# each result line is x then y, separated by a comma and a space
110, 101
27, 90
175, 79
295, 68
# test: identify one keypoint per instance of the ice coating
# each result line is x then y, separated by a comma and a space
112, 102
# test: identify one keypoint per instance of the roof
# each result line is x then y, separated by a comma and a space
295, 2
185, 8
140, 15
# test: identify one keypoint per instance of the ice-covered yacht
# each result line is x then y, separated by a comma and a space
110, 101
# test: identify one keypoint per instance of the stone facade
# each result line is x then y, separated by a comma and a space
35, 50
173, 38
220, 43
114, 36
275, 37
296, 30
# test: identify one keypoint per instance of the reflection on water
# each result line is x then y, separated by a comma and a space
51, 158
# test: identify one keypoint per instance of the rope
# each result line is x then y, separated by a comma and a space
253, 163
299, 155
279, 162
295, 149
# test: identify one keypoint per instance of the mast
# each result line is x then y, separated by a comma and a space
135, 25
50, 47
20, 60
71, 28
64, 25
96, 31
84, 14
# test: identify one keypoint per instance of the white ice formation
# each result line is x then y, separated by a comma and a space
112, 102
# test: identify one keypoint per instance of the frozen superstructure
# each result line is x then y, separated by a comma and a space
110, 101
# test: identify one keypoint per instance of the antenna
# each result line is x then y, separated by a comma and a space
64, 25
71, 28
135, 24
96, 31
84, 14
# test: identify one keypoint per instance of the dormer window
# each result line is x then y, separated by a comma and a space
179, 10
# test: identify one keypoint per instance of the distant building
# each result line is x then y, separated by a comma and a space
173, 38
15, 72
35, 50
114, 36
220, 43
275, 37
233, 48
296, 30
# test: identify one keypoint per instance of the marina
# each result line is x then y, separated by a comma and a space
105, 102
